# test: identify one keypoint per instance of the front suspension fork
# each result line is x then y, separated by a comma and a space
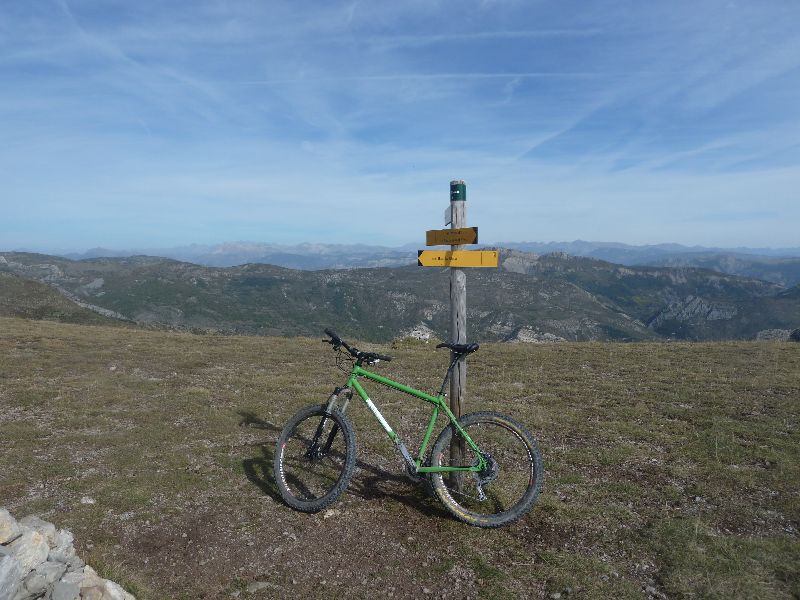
334, 398
314, 450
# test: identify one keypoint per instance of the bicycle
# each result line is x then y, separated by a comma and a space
494, 483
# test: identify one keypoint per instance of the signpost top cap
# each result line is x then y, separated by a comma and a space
458, 190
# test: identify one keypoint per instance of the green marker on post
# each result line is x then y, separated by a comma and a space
458, 190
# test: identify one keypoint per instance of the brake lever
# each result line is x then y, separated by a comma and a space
332, 343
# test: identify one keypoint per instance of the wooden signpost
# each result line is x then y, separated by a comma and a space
457, 259
442, 237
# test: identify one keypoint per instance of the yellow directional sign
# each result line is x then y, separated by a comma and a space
452, 237
457, 258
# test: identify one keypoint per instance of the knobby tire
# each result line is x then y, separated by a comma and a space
518, 478
311, 481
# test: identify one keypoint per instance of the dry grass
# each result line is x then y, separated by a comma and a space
673, 466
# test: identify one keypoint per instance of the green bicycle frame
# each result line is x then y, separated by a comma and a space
439, 405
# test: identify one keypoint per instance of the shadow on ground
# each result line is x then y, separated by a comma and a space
370, 482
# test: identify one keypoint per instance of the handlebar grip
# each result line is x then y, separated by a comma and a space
383, 357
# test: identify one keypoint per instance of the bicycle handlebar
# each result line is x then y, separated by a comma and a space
335, 339
336, 342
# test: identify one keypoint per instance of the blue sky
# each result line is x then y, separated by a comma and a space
152, 124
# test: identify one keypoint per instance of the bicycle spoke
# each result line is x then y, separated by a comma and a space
314, 459
507, 486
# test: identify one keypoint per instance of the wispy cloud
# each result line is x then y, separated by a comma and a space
235, 120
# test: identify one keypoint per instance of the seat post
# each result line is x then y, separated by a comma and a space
453, 362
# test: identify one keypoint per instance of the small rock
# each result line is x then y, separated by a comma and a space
90, 577
9, 529
35, 584
48, 530
76, 577
331, 512
10, 574
88, 500
93, 592
51, 571
64, 590
63, 540
30, 549
75, 564
114, 591
555, 595
61, 554
256, 586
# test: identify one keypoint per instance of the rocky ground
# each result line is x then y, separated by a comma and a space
38, 561
672, 470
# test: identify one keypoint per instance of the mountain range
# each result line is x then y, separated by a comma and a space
531, 297
776, 265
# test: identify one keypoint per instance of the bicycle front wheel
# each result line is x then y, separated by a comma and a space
507, 488
314, 458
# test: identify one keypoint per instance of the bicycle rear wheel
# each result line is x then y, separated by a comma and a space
507, 489
314, 458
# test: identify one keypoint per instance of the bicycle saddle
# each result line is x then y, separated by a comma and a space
460, 348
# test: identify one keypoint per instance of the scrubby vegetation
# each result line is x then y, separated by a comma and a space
672, 469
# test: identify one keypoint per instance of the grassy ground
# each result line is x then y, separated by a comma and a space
672, 469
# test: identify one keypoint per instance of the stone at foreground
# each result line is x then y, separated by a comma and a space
10, 575
30, 549
47, 530
41, 564
9, 529
42, 578
65, 590
94, 587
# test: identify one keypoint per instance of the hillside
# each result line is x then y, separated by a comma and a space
781, 270
672, 470
530, 296
648, 254
21, 297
